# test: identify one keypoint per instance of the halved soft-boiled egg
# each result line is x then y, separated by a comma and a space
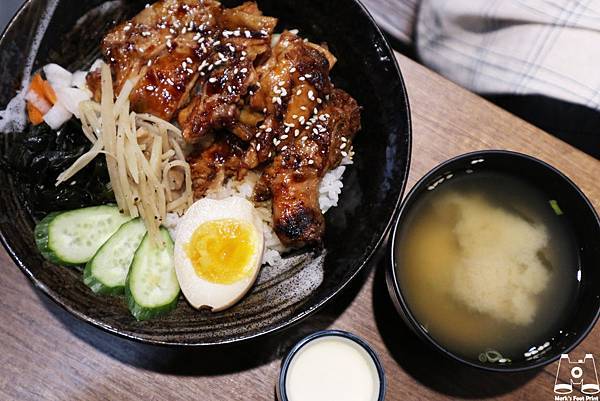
219, 248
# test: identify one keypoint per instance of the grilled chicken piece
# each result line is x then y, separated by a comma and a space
213, 165
294, 176
167, 82
292, 85
216, 107
161, 46
245, 35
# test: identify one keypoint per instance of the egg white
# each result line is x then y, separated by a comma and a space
198, 291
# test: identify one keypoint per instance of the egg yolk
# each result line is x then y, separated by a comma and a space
221, 251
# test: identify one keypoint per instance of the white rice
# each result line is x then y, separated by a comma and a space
329, 193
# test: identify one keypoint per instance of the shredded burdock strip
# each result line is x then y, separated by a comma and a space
146, 165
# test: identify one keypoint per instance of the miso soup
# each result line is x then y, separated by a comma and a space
488, 266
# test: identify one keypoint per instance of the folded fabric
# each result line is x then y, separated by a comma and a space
518, 47
396, 17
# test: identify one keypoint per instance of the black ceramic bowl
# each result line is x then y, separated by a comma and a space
281, 382
580, 215
284, 294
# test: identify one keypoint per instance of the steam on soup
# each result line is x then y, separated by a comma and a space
488, 266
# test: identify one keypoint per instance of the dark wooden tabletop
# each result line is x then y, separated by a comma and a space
46, 354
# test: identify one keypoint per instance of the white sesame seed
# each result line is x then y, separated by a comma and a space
296, 133
319, 100
303, 108
262, 126
150, 88
284, 137
212, 80
344, 153
149, 63
189, 60
146, 34
315, 111
311, 95
258, 147
269, 129
299, 92
247, 34
343, 145
184, 65
284, 148
244, 70
302, 79
311, 161
293, 69
344, 139
294, 116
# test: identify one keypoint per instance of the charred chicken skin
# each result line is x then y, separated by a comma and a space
293, 179
242, 103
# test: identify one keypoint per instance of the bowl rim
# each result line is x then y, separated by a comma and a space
285, 364
130, 335
414, 192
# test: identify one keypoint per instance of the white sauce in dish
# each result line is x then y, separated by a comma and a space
332, 368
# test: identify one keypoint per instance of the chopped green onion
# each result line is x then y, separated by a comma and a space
556, 208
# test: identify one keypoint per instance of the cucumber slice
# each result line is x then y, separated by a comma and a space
73, 237
107, 271
151, 288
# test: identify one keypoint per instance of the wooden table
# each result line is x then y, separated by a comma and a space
46, 354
